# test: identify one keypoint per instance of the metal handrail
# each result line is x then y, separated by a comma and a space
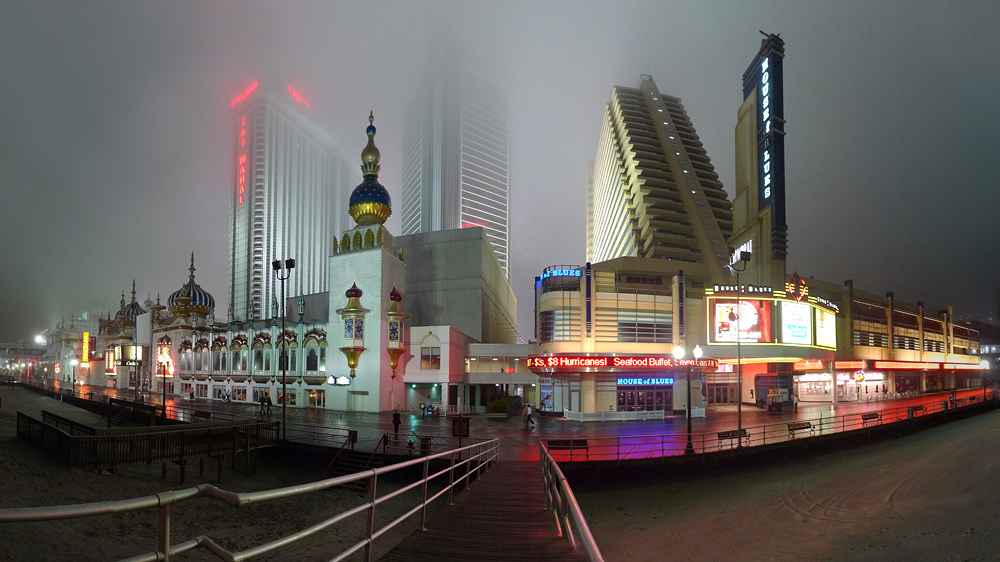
650, 446
474, 458
561, 501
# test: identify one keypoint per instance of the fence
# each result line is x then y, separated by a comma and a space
473, 460
139, 446
564, 507
652, 446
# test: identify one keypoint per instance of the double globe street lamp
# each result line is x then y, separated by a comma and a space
282, 271
679, 354
74, 362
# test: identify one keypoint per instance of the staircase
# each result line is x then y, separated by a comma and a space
351, 462
119, 415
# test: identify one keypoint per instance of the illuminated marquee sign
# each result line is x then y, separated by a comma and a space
645, 382
751, 320
241, 160
85, 351
298, 97
765, 77
747, 289
243, 95
562, 273
570, 362
796, 323
796, 288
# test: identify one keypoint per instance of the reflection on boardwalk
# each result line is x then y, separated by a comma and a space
726, 438
502, 517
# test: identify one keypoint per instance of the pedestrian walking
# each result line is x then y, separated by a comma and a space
268, 398
527, 414
395, 423
795, 402
263, 404
191, 390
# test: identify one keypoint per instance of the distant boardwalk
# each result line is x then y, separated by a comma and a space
502, 517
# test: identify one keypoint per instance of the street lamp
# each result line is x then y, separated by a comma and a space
74, 363
395, 340
679, 354
282, 271
743, 258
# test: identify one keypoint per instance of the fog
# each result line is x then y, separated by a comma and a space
115, 154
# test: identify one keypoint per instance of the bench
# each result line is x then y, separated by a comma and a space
568, 445
204, 416
734, 434
870, 416
911, 410
800, 426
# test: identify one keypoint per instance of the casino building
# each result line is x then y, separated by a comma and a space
606, 331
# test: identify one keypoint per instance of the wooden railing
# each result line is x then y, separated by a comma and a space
140, 446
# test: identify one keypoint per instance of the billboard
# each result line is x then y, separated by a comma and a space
796, 323
826, 329
751, 319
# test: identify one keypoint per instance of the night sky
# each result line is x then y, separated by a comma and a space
115, 149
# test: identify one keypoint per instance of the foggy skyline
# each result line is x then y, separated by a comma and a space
115, 120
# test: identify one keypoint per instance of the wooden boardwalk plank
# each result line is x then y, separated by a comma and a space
501, 517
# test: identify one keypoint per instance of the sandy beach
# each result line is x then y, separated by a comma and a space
929, 496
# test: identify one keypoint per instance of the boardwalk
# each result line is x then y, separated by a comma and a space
501, 517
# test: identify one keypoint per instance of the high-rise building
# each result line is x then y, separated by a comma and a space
653, 191
289, 187
455, 156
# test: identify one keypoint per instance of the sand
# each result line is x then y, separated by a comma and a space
30, 477
928, 496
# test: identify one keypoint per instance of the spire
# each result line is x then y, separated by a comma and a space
370, 155
133, 290
191, 269
123, 303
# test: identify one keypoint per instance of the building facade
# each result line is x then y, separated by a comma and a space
653, 191
456, 171
290, 181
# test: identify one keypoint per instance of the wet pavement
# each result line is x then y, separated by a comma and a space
520, 443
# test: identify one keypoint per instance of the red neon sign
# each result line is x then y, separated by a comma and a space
297, 97
473, 224
241, 161
244, 94
573, 362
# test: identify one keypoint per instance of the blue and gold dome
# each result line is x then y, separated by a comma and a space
191, 298
129, 311
370, 202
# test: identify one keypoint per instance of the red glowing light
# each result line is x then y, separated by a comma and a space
241, 162
298, 97
243, 175
244, 94
473, 224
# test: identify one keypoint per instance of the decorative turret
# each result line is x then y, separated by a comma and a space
370, 202
191, 298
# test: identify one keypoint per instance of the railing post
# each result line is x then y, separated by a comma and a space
423, 506
451, 478
372, 496
164, 533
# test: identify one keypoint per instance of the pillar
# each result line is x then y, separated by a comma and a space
588, 393
923, 381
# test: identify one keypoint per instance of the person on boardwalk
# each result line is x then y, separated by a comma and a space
263, 404
191, 390
267, 398
395, 423
795, 402
527, 416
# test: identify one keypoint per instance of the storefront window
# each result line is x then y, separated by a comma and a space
430, 358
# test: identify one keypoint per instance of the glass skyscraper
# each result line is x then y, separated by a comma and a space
455, 157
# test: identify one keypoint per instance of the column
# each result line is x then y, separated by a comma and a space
588, 392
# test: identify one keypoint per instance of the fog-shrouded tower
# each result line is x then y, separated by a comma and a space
289, 187
455, 155
653, 191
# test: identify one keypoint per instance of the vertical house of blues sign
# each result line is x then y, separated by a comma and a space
765, 77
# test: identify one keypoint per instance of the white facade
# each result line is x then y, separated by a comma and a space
653, 191
291, 185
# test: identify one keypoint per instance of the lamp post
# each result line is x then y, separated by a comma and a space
354, 327
743, 258
395, 340
679, 354
74, 362
282, 271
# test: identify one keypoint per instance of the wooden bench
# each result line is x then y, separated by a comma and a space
870, 416
203, 416
568, 445
734, 434
911, 410
800, 426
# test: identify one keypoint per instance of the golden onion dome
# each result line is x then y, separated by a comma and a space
370, 202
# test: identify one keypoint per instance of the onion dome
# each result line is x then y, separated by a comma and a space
129, 311
191, 298
395, 296
370, 202
354, 292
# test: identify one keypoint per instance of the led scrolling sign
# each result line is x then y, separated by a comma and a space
565, 362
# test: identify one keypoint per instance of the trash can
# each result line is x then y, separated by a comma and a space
425, 446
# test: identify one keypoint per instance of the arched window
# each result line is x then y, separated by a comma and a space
237, 365
291, 359
258, 360
283, 361
322, 359
267, 360
312, 360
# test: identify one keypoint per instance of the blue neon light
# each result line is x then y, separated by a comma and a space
645, 382
562, 273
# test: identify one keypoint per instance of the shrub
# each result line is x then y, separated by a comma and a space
500, 406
